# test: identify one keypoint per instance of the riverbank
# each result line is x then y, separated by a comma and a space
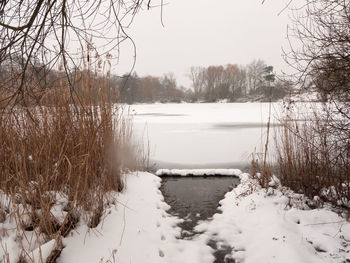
272, 225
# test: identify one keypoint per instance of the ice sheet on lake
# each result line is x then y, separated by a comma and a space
202, 133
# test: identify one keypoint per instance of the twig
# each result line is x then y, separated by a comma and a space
326, 223
121, 238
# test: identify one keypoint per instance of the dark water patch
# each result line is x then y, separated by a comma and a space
157, 114
204, 175
221, 254
226, 126
195, 198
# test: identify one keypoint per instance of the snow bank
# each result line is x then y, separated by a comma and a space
136, 229
18, 243
198, 172
276, 225
260, 225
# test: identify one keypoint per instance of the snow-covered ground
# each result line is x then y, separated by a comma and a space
136, 229
273, 225
277, 225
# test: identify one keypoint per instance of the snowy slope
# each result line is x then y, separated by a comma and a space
277, 226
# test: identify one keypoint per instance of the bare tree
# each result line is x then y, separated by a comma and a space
255, 72
235, 76
320, 46
234, 82
214, 76
320, 54
169, 87
50, 34
196, 76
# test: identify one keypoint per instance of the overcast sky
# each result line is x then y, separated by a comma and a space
206, 32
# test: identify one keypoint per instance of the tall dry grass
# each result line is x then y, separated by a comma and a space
313, 159
73, 145
310, 155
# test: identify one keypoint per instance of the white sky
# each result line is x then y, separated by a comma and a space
206, 32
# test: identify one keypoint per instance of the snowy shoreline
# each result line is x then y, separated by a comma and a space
259, 225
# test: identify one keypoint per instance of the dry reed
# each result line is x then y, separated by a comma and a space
313, 161
311, 155
75, 145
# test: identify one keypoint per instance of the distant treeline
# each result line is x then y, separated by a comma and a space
133, 89
255, 81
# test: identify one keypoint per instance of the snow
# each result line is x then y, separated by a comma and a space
202, 135
136, 229
201, 112
42, 253
210, 135
260, 225
17, 244
276, 225
304, 96
198, 172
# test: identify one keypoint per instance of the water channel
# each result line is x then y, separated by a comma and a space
195, 199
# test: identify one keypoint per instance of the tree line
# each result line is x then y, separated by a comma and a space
232, 82
133, 89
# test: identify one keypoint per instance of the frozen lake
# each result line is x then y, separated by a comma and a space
203, 135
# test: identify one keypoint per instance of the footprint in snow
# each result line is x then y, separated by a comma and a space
161, 253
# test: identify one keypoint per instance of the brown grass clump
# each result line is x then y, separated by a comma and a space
313, 158
64, 154
311, 155
260, 170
